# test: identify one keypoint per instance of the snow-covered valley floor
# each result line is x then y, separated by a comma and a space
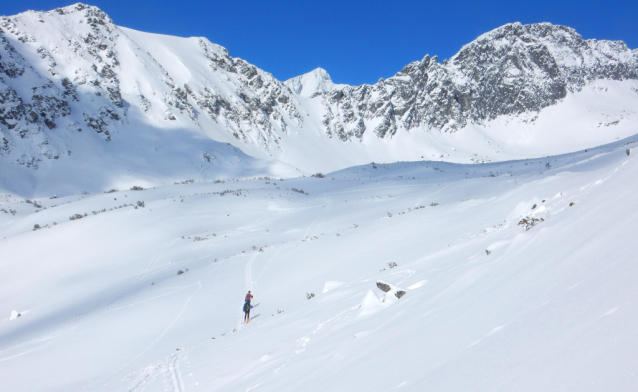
489, 306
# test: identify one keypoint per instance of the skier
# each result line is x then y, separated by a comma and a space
247, 307
249, 297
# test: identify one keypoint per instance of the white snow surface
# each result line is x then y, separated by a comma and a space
489, 305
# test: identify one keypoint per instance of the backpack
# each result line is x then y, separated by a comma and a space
248, 297
246, 307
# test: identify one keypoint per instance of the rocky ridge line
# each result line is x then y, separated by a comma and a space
513, 70
74, 85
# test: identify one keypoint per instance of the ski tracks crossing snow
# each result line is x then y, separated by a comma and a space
115, 296
250, 282
169, 367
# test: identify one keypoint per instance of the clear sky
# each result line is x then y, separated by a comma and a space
355, 41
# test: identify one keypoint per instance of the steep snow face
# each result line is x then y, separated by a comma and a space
518, 276
83, 98
312, 83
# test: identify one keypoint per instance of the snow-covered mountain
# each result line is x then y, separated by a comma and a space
511, 71
86, 104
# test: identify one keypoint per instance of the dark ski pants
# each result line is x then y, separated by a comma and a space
247, 315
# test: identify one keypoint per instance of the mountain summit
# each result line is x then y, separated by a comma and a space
312, 83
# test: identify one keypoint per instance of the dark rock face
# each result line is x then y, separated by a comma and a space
512, 70
384, 287
252, 107
263, 100
33, 97
399, 294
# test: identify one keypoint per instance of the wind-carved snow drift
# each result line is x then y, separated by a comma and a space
73, 81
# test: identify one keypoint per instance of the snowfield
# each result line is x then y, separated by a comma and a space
518, 276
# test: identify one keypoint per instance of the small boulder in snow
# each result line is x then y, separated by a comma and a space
383, 286
386, 287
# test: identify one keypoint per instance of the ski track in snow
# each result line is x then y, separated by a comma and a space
167, 329
300, 348
248, 274
164, 332
176, 375
168, 367
320, 218
116, 297
83, 320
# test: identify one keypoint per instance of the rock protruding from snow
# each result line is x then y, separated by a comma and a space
390, 289
312, 83
384, 287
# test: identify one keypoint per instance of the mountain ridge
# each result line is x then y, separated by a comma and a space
71, 80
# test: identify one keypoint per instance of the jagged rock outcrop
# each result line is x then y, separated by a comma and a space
35, 97
512, 70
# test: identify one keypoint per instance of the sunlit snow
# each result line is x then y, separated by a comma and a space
98, 303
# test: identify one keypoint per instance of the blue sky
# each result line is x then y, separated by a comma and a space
355, 41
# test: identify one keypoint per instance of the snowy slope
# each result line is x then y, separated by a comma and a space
488, 304
102, 109
89, 105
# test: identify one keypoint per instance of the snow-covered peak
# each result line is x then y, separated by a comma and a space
79, 91
311, 83
563, 43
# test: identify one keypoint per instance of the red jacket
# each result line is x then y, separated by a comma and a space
248, 297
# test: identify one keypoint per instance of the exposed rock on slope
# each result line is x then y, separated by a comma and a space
512, 70
70, 79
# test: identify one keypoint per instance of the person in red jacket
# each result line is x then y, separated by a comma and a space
249, 297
